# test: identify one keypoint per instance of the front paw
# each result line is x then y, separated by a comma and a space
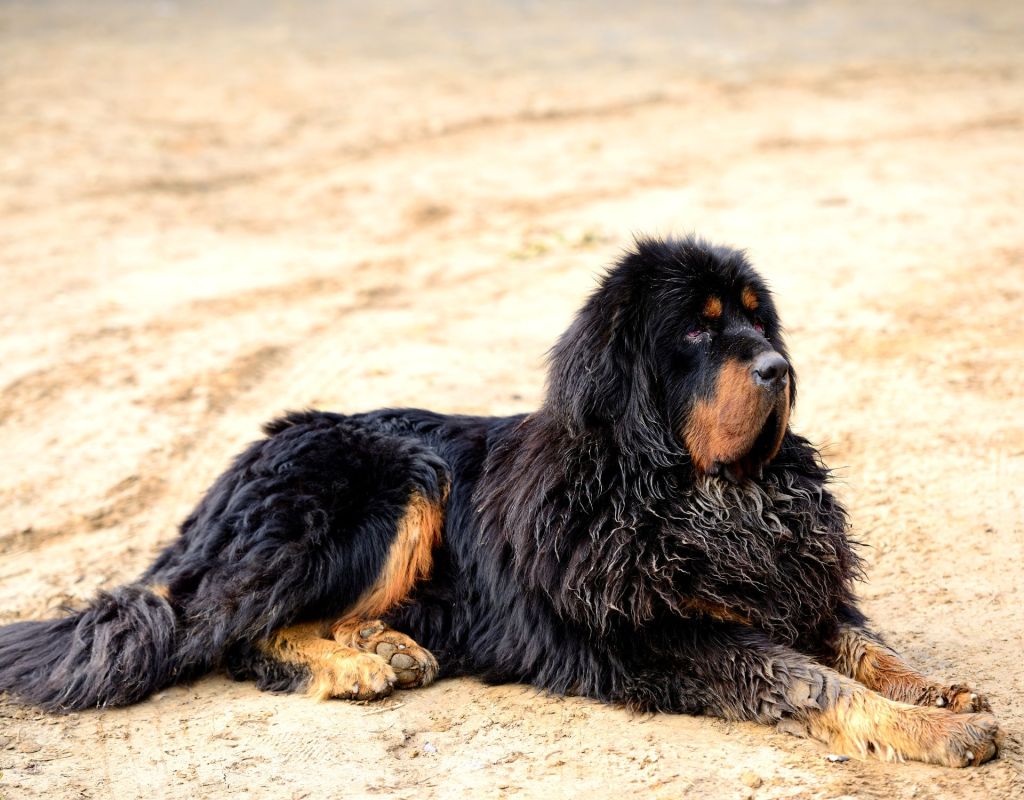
971, 741
960, 699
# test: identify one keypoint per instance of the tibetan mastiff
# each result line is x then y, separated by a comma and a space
655, 535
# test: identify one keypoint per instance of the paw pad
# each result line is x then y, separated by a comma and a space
413, 665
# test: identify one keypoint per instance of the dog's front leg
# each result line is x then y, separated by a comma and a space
739, 673
864, 656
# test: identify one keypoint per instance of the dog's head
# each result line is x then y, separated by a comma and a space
679, 347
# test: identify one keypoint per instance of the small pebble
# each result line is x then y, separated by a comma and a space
429, 748
751, 778
837, 759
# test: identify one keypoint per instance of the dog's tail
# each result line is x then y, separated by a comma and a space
117, 651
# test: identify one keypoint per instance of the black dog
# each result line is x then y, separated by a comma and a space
654, 536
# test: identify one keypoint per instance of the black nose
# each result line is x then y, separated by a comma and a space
771, 370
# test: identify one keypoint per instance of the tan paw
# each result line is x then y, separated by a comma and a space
414, 666
352, 675
962, 699
970, 740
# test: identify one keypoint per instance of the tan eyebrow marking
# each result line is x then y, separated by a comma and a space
749, 299
712, 308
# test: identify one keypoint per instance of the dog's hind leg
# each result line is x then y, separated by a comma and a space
355, 657
347, 652
864, 656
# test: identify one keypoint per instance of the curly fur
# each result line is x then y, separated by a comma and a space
583, 551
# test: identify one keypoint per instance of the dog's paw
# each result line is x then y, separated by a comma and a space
970, 740
961, 699
352, 676
414, 666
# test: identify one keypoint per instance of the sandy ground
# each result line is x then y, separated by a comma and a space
209, 217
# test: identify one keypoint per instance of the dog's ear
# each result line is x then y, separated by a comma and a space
599, 375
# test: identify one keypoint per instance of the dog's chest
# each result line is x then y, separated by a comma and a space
776, 553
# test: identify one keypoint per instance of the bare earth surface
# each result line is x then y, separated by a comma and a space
208, 217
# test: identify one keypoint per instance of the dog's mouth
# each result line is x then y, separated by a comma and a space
740, 428
764, 448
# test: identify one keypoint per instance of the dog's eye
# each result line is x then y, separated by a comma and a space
759, 327
696, 332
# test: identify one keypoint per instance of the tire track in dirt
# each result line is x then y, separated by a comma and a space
89, 361
201, 400
215, 391
985, 123
313, 164
929, 326
126, 499
450, 133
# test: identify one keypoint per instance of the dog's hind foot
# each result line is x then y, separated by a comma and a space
414, 666
351, 675
302, 658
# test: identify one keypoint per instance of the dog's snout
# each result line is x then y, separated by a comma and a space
771, 370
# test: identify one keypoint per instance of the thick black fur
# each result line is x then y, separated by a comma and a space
576, 541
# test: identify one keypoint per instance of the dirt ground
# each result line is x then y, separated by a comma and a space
210, 216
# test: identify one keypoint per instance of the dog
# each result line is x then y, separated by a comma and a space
654, 536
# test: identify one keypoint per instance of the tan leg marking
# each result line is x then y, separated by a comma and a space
161, 590
345, 664
334, 670
409, 559
864, 657
863, 723
414, 666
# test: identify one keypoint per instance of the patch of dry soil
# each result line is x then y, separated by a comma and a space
209, 216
